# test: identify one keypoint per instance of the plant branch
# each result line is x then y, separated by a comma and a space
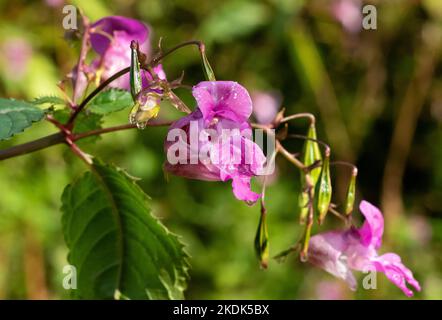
310, 116
60, 137
97, 90
157, 59
289, 156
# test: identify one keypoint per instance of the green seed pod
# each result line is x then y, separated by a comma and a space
325, 188
262, 242
351, 192
135, 73
312, 153
208, 71
303, 202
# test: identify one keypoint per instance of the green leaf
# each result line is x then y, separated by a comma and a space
118, 248
111, 101
15, 116
51, 100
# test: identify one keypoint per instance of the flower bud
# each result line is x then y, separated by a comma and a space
351, 191
146, 107
325, 188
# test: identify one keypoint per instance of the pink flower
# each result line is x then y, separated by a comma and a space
265, 106
337, 252
330, 290
216, 139
349, 14
15, 56
111, 38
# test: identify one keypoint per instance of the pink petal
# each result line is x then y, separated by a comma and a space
326, 251
373, 228
224, 99
265, 106
242, 191
396, 272
133, 29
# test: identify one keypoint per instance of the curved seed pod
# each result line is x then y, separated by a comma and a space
325, 188
262, 242
351, 191
135, 73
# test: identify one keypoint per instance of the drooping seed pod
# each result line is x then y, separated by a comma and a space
135, 72
325, 188
262, 242
351, 193
208, 71
312, 153
303, 202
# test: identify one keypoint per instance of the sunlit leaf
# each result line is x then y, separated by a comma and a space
118, 248
110, 101
15, 116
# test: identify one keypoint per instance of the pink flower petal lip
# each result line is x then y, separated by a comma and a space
134, 30
242, 191
338, 252
223, 99
391, 265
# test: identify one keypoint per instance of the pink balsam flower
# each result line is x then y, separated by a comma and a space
215, 141
349, 14
111, 38
338, 252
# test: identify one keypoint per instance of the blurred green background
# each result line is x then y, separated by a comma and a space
377, 95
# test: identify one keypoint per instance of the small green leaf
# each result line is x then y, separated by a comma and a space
15, 116
325, 189
118, 248
110, 101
